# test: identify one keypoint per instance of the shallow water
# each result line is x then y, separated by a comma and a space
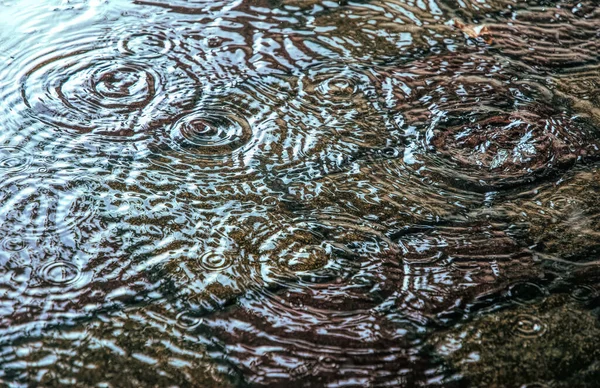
299, 193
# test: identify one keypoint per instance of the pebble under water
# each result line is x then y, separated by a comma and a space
299, 193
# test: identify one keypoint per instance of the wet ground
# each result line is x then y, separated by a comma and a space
299, 193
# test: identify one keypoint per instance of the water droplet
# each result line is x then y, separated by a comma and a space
50, 159
146, 44
269, 201
213, 41
13, 159
327, 362
215, 262
13, 243
210, 133
60, 273
390, 152
187, 321
583, 293
528, 326
338, 87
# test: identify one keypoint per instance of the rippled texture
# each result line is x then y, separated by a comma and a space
302, 193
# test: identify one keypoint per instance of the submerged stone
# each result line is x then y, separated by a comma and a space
561, 217
555, 343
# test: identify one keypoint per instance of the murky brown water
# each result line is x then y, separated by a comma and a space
299, 193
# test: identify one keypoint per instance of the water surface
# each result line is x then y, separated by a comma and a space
299, 193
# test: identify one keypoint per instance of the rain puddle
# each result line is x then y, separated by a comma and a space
299, 193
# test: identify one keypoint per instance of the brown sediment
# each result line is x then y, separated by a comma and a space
130, 348
560, 217
555, 342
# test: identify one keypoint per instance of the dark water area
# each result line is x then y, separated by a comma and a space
385, 193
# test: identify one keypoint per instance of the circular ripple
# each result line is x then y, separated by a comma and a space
334, 89
226, 134
295, 249
187, 321
13, 159
528, 326
380, 194
311, 145
119, 87
246, 252
318, 317
210, 133
215, 261
442, 270
83, 96
60, 273
146, 44
506, 149
583, 293
270, 201
472, 123
78, 85
13, 243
